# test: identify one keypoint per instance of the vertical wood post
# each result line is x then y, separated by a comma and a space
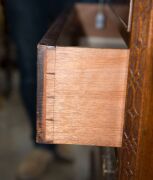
136, 155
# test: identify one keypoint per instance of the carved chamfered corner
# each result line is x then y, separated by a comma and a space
130, 155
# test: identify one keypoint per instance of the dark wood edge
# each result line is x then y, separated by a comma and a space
122, 29
51, 37
125, 35
40, 94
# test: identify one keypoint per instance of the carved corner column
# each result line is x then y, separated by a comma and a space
135, 155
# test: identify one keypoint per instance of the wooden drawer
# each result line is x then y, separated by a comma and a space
82, 78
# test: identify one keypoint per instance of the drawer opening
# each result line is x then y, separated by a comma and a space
80, 29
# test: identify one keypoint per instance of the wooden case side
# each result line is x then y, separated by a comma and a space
68, 127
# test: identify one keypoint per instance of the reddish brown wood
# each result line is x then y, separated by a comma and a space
136, 158
89, 93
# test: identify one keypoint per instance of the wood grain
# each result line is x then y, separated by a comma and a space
136, 155
89, 96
